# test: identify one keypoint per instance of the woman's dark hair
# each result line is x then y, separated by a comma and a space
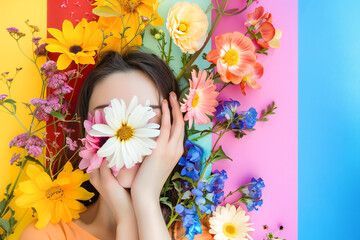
150, 64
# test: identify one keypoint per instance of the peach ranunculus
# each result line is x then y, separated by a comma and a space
234, 57
187, 24
261, 22
250, 78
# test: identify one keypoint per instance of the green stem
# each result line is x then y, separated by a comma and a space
197, 53
23, 163
169, 52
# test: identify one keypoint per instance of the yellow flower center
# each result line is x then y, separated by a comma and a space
130, 5
195, 101
230, 230
124, 133
231, 57
246, 78
183, 27
75, 49
54, 193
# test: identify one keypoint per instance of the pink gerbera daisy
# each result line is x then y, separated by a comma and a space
201, 99
90, 159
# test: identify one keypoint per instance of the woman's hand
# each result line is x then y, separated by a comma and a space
116, 197
156, 167
154, 171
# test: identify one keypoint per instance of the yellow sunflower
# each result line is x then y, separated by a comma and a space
76, 44
53, 200
136, 15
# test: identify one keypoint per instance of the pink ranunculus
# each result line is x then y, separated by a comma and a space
90, 160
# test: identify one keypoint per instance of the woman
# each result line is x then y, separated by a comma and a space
128, 206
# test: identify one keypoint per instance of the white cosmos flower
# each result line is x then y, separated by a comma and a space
230, 223
129, 133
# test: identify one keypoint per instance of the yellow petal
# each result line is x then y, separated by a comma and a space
55, 48
274, 43
80, 194
32, 171
28, 200
86, 60
56, 33
28, 187
44, 213
68, 32
43, 181
63, 61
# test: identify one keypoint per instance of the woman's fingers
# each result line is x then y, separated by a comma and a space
177, 129
165, 122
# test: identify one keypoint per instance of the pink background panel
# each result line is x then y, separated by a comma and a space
270, 152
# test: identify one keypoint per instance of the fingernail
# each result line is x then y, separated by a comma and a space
165, 102
173, 95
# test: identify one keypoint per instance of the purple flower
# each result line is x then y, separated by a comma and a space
36, 40
14, 158
14, 32
56, 80
49, 68
72, 144
19, 141
41, 50
33, 145
2, 97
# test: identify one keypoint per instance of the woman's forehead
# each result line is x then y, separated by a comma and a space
124, 85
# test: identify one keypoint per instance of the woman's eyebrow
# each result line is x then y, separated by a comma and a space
105, 105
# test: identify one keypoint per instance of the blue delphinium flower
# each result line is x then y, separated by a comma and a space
232, 105
223, 113
216, 186
256, 188
250, 118
191, 162
189, 169
251, 204
254, 195
237, 123
190, 220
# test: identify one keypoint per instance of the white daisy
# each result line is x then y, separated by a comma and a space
129, 133
229, 223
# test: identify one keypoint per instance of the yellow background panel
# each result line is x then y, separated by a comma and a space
26, 85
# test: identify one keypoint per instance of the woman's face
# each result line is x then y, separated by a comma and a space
125, 85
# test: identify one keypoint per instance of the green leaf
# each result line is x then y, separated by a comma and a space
2, 205
188, 70
9, 101
163, 200
8, 187
5, 225
56, 114
32, 159
177, 186
210, 117
209, 8
177, 175
105, 11
218, 155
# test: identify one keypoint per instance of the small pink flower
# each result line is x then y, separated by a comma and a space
201, 99
88, 153
49, 68
32, 144
72, 144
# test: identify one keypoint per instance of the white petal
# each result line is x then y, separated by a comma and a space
134, 154
111, 119
146, 132
127, 159
108, 148
141, 147
101, 130
132, 105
